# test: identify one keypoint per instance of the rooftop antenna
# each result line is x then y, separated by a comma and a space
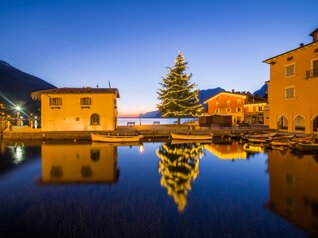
97, 85
109, 84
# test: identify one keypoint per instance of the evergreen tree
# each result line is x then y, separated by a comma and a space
179, 97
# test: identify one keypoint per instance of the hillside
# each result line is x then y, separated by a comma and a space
16, 87
262, 91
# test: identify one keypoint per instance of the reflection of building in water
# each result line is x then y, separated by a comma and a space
293, 192
70, 163
179, 166
227, 152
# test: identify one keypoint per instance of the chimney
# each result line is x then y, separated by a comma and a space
232, 90
301, 44
314, 35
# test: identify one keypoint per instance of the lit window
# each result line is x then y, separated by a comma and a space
290, 93
86, 101
55, 101
95, 119
290, 70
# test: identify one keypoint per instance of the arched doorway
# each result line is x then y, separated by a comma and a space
299, 123
282, 123
315, 124
95, 119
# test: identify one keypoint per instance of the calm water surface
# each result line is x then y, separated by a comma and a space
155, 190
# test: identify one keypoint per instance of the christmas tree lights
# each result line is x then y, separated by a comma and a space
179, 97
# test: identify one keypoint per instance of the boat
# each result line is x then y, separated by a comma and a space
258, 140
253, 148
279, 143
190, 137
258, 136
111, 138
306, 146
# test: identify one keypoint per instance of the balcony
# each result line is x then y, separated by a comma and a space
311, 73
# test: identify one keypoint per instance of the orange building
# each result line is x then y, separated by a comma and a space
244, 107
292, 88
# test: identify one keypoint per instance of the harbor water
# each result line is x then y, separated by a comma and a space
155, 190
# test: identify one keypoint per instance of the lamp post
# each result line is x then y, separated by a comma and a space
18, 109
140, 114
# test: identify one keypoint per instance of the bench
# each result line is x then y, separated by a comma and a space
244, 125
130, 123
156, 122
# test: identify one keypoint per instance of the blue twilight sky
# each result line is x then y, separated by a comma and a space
76, 43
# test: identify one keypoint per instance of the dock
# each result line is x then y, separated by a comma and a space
150, 132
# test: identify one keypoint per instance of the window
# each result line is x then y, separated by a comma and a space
260, 108
239, 109
86, 101
290, 70
216, 111
290, 58
55, 101
228, 110
315, 68
290, 93
95, 120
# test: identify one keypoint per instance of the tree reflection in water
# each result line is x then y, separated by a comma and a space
179, 166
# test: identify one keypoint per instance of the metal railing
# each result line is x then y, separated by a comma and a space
311, 73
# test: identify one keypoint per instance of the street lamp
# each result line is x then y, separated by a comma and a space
140, 114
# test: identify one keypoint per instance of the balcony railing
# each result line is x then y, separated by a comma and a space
311, 73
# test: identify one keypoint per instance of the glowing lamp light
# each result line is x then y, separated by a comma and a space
18, 108
141, 148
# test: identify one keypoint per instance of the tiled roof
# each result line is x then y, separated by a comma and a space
85, 90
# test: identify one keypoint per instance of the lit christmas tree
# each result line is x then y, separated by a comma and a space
179, 166
179, 97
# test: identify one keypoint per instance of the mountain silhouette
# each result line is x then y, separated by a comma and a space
17, 86
203, 95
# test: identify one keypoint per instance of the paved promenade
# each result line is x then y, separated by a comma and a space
148, 131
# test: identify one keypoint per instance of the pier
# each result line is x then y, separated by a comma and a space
150, 132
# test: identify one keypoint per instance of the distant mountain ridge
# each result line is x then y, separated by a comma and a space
17, 86
203, 95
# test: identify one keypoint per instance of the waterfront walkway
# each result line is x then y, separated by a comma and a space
148, 131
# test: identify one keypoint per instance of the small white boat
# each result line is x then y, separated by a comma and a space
190, 137
110, 138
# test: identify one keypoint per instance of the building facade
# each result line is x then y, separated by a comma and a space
78, 109
292, 89
244, 107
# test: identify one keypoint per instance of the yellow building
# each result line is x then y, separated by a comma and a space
292, 88
71, 163
78, 109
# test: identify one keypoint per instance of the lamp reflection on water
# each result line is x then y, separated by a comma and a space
141, 148
17, 152
69, 163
